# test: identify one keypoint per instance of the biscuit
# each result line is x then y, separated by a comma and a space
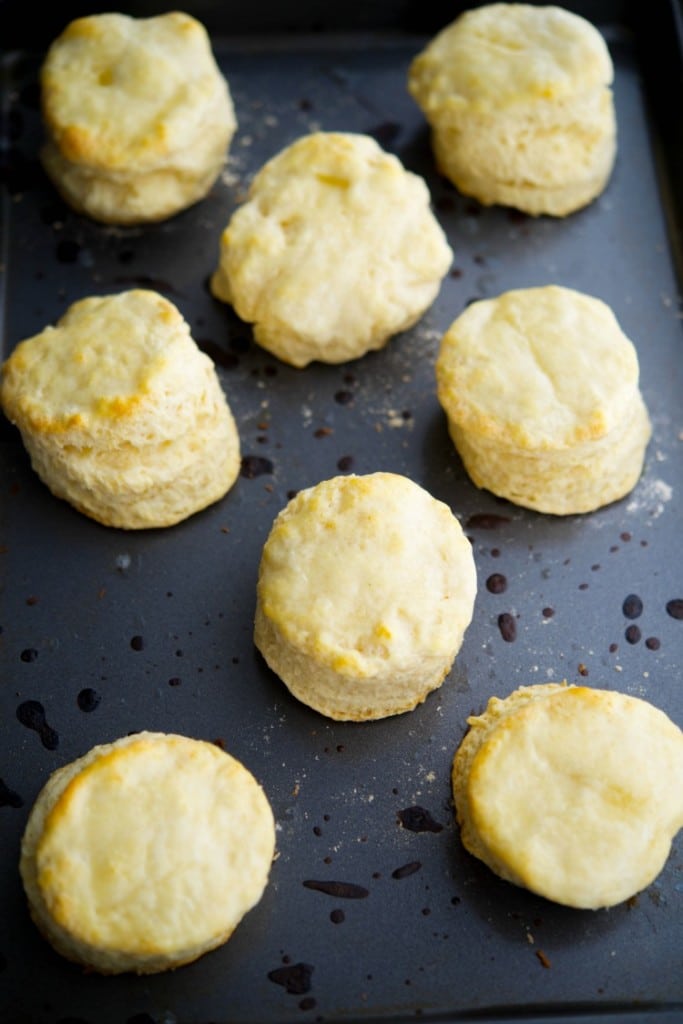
365, 590
138, 117
121, 413
541, 391
334, 251
146, 853
572, 792
519, 102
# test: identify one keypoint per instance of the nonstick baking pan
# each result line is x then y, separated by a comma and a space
374, 911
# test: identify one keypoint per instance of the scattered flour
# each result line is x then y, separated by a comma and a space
651, 496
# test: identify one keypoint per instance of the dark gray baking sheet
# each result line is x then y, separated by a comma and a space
105, 632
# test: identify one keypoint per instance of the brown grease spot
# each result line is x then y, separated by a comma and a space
418, 819
407, 869
486, 521
295, 978
507, 627
341, 890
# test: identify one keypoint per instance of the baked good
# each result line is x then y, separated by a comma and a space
518, 98
334, 251
541, 391
146, 853
121, 413
572, 792
138, 117
365, 590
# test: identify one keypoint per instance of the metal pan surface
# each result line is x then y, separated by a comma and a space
374, 911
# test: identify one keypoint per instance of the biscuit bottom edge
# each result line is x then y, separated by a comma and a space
340, 695
570, 481
135, 198
155, 486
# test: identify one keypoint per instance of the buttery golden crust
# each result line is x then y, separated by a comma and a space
334, 251
519, 100
366, 588
541, 391
146, 853
121, 413
138, 117
572, 792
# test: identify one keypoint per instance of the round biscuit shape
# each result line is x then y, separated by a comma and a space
366, 587
335, 250
540, 387
138, 116
572, 792
120, 412
146, 853
519, 100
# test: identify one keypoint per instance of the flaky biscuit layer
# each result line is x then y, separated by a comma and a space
138, 116
366, 588
335, 250
540, 387
121, 413
520, 105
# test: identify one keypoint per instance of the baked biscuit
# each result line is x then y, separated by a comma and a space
571, 792
540, 388
366, 587
146, 853
138, 117
334, 251
121, 413
519, 101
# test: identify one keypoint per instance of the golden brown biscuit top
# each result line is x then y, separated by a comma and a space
158, 843
108, 358
331, 193
541, 368
338, 160
336, 241
577, 791
501, 54
120, 91
361, 569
